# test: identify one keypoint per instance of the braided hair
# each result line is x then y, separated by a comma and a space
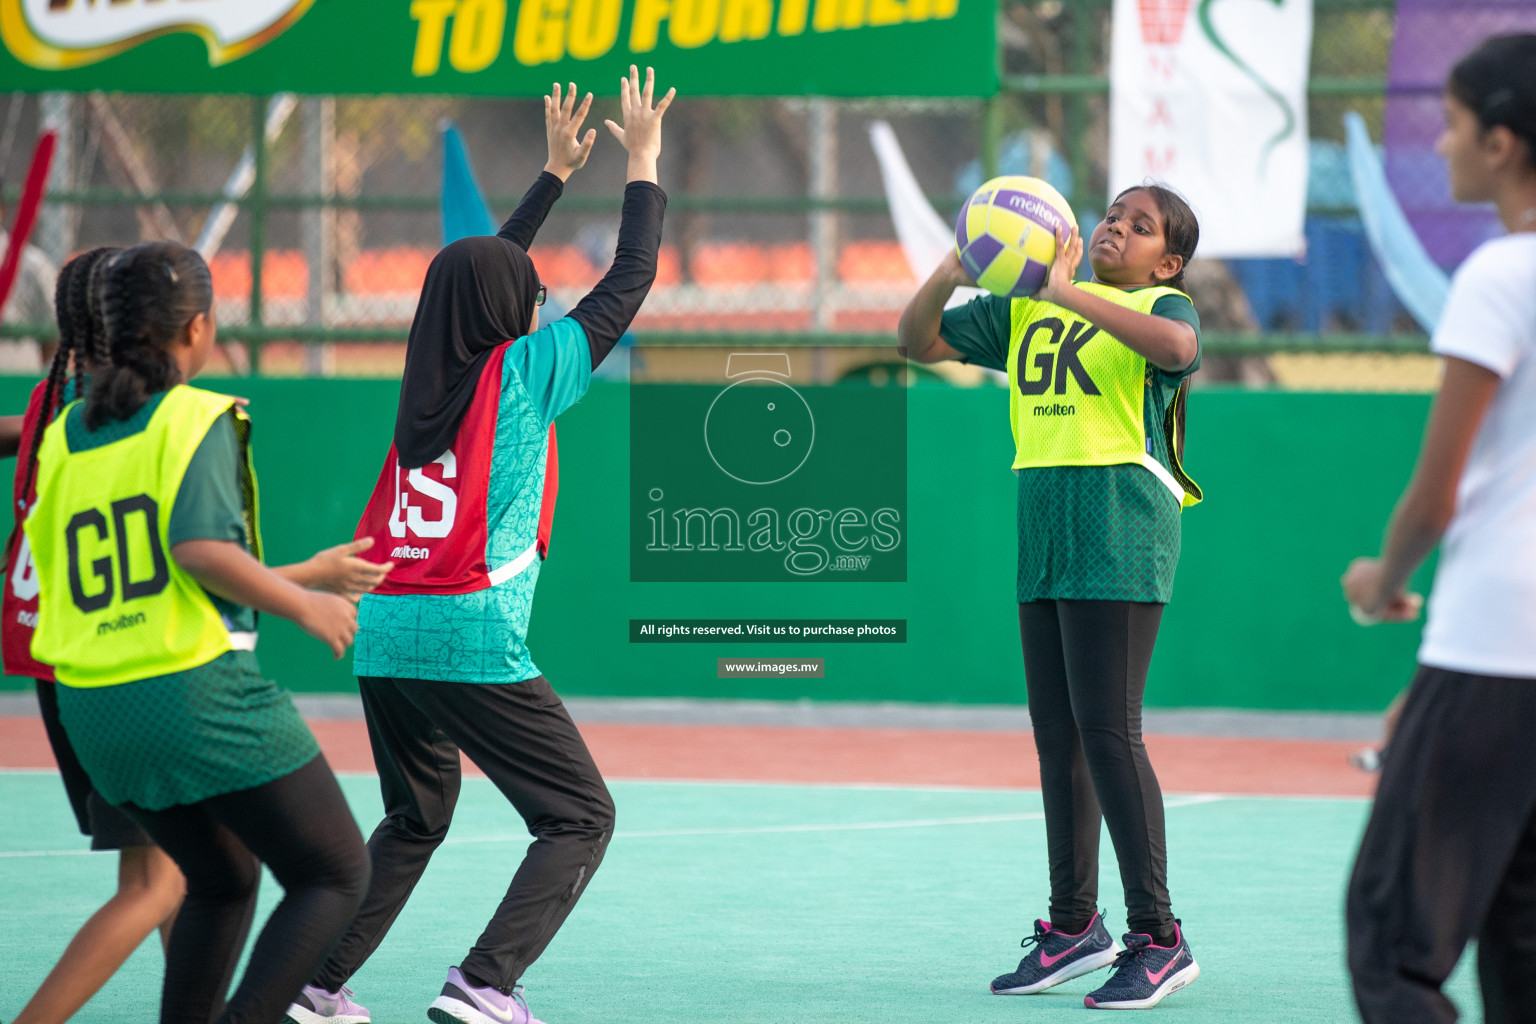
148, 295
79, 320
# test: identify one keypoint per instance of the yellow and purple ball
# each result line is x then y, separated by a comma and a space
1006, 234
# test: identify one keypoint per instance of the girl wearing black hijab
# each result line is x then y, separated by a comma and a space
441, 656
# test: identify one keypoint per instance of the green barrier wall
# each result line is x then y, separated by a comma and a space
1297, 484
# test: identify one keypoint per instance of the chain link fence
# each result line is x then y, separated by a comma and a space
319, 215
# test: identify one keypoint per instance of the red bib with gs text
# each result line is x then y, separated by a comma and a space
431, 521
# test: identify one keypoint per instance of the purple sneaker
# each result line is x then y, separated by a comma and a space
1058, 957
463, 1003
317, 1006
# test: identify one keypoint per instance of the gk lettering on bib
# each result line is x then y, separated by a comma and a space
431, 520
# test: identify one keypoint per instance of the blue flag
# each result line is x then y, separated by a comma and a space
463, 206
1420, 284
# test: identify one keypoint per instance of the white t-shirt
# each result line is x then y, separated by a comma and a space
1482, 611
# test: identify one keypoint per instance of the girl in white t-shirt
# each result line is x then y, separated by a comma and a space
1450, 851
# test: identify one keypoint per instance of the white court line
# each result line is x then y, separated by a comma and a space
859, 826
749, 830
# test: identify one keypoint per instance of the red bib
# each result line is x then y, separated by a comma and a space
18, 604
431, 521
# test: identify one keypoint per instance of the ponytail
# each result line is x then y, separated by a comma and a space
78, 317
148, 295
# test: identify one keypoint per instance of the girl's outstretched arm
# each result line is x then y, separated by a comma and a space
917, 334
225, 568
1377, 586
568, 152
337, 569
606, 311
1169, 345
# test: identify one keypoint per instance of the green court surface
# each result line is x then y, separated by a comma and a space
765, 903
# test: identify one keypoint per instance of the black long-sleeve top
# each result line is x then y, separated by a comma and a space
606, 312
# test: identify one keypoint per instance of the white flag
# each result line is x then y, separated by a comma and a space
1210, 98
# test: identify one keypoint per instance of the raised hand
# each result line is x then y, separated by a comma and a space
1069, 253
641, 131
568, 148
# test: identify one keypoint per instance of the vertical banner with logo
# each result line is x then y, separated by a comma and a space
1209, 97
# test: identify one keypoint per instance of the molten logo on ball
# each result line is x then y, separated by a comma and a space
1006, 234
56, 35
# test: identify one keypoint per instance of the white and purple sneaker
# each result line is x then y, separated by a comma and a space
463, 1003
317, 1006
1058, 957
1145, 974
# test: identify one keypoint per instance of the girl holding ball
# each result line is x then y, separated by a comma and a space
1096, 375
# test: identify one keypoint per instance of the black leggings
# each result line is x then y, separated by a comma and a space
301, 828
521, 736
1450, 855
1085, 663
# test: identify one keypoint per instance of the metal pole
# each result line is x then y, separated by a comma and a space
55, 233
256, 208
823, 168
1077, 104
991, 135
315, 222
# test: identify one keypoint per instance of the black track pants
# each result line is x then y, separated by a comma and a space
300, 827
520, 735
1085, 663
1450, 855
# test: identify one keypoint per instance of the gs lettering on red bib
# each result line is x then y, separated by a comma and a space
18, 601
431, 521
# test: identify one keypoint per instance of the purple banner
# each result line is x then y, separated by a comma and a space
1431, 36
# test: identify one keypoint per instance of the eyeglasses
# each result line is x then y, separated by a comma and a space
540, 295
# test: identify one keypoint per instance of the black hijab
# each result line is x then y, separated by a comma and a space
477, 296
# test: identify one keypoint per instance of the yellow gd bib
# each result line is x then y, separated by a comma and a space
1076, 394
114, 606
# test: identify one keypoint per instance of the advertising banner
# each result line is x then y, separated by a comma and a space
501, 47
1210, 98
